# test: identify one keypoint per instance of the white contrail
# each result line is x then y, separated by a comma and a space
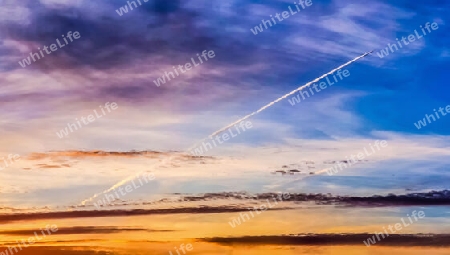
288, 94
120, 183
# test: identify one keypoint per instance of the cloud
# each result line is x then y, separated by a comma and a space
4, 218
81, 230
118, 57
334, 239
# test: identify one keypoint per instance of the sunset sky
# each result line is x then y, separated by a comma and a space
117, 58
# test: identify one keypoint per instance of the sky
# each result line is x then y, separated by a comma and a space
117, 58
101, 144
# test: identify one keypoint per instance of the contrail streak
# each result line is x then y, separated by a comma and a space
288, 94
120, 183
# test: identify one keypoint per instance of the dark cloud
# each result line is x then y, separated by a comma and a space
113, 213
81, 230
431, 198
158, 32
111, 40
143, 41
335, 239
